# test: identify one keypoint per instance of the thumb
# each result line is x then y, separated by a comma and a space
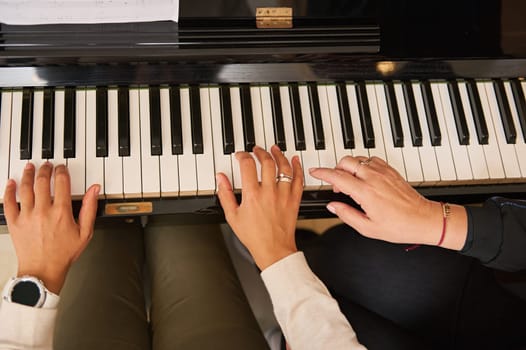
88, 212
351, 216
226, 195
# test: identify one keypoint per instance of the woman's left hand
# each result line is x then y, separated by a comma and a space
265, 221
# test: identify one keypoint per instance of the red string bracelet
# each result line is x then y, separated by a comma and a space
446, 211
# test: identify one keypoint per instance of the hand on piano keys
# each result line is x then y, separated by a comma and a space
265, 221
46, 237
392, 210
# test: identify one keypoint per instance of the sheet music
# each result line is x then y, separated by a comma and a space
87, 11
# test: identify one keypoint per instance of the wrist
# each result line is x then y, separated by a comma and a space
53, 280
456, 229
271, 258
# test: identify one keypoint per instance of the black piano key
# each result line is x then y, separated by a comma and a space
156, 142
123, 98
69, 123
365, 116
394, 115
412, 114
505, 113
520, 103
431, 115
458, 113
317, 122
345, 116
297, 119
195, 117
176, 127
248, 122
48, 124
277, 115
101, 128
26, 131
478, 114
226, 120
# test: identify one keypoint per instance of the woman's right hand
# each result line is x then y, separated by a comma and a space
392, 210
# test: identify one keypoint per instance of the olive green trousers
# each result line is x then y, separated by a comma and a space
197, 301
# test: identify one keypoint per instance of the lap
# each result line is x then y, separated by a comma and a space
432, 292
102, 302
197, 299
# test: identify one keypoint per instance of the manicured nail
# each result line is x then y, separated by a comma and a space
331, 208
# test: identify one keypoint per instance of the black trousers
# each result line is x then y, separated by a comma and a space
427, 298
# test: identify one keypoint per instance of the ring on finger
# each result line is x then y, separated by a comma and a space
360, 163
284, 178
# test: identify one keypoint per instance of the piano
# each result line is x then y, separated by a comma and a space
151, 111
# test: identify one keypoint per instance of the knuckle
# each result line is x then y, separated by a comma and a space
42, 180
268, 162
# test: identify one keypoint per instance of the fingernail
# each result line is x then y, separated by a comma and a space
60, 168
10, 182
331, 208
29, 165
311, 170
96, 190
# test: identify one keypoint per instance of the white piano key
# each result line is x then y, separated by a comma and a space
266, 109
447, 125
257, 117
187, 161
223, 162
77, 165
413, 166
393, 155
427, 151
131, 166
5, 139
169, 162
309, 157
94, 164
507, 151
288, 124
520, 146
359, 147
446, 166
239, 143
336, 125
379, 148
491, 150
38, 118
327, 156
16, 165
113, 162
151, 180
58, 142
206, 183
476, 152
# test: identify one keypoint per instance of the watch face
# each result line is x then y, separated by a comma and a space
25, 293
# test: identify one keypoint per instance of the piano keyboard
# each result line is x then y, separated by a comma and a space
169, 141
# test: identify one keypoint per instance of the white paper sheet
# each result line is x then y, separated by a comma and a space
87, 11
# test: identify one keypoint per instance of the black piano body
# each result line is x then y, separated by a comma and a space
331, 43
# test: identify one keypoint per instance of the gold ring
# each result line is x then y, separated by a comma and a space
283, 178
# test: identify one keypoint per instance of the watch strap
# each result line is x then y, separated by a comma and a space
48, 300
